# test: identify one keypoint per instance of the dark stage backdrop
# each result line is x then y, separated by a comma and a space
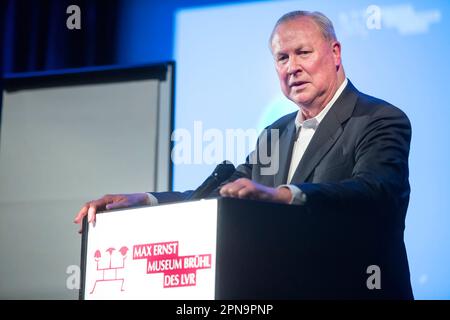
36, 36
113, 32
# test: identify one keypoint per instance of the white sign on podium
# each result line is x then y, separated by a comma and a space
163, 252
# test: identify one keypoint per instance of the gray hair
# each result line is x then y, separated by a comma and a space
321, 20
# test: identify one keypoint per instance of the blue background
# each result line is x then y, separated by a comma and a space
225, 67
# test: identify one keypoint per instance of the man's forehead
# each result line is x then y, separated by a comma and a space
303, 29
296, 25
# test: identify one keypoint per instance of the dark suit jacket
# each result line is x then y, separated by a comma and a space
356, 163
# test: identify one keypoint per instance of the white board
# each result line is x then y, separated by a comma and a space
62, 145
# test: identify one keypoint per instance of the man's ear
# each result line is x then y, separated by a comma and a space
336, 48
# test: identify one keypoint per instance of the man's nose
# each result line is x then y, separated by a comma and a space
294, 65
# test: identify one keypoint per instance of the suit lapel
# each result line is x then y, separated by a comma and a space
327, 133
286, 143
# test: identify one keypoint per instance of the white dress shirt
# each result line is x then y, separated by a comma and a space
305, 132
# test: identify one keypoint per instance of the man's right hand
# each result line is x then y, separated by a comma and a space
108, 202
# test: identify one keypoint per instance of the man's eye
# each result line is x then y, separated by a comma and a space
304, 52
282, 58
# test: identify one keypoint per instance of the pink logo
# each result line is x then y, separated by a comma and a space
109, 271
178, 271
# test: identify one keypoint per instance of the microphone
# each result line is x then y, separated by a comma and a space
221, 173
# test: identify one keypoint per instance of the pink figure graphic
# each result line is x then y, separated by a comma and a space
97, 256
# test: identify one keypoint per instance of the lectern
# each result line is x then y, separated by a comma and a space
241, 249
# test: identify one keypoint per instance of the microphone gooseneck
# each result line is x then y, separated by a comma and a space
221, 173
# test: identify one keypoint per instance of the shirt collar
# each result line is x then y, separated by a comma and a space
314, 122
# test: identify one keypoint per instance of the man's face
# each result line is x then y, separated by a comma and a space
306, 62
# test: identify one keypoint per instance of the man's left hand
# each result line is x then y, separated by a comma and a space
247, 189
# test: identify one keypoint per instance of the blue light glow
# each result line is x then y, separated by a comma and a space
226, 78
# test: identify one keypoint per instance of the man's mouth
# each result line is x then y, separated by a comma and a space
297, 84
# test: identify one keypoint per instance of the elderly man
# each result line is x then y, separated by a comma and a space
342, 150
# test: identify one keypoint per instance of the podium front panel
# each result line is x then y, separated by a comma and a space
163, 252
